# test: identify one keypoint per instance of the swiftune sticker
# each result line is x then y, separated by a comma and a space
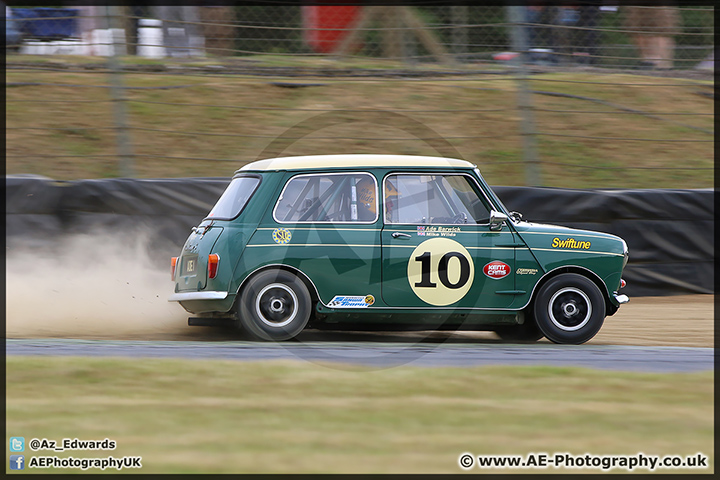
569, 243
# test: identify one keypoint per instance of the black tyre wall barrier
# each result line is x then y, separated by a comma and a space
670, 233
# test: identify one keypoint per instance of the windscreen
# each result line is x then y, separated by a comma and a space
234, 198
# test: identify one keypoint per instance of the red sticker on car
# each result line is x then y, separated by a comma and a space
497, 269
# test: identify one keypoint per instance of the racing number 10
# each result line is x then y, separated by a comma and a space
442, 270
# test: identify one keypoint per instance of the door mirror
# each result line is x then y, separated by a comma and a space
496, 220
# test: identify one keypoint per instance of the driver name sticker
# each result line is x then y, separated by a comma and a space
440, 271
351, 301
436, 231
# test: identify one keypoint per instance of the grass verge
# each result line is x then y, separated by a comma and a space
213, 416
184, 123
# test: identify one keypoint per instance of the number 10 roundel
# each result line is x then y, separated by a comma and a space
440, 271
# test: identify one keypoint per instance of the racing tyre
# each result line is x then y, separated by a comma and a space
569, 308
527, 332
275, 305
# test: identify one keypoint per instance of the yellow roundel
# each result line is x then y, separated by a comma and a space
369, 299
281, 235
440, 271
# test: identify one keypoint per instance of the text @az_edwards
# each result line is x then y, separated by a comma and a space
586, 461
37, 445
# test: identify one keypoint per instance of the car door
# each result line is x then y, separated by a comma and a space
325, 225
438, 250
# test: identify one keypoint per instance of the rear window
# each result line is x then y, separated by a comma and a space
235, 197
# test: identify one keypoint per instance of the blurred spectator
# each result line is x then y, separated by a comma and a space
13, 37
181, 34
539, 15
540, 41
652, 30
571, 31
91, 17
218, 29
580, 38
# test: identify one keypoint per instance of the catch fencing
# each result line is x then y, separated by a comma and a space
590, 34
139, 75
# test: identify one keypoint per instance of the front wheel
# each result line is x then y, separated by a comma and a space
275, 305
569, 308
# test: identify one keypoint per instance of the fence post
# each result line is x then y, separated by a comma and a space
518, 33
117, 93
459, 31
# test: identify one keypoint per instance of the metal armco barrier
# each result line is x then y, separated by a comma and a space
670, 233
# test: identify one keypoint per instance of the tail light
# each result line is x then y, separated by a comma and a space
622, 283
213, 260
173, 263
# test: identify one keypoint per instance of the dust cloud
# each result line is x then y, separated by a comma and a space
98, 285
116, 285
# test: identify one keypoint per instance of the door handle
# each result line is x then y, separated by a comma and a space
400, 235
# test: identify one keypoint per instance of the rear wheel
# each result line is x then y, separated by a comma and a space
274, 305
569, 308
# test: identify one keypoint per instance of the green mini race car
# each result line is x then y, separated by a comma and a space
390, 242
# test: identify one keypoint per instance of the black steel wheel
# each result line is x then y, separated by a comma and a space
275, 305
569, 308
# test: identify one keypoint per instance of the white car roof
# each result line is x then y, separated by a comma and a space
353, 160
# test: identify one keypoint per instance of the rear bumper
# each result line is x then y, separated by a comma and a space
620, 299
187, 296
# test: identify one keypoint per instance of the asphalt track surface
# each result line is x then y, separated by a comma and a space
378, 355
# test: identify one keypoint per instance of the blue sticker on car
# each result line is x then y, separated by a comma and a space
351, 301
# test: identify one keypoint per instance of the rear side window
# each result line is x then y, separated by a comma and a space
328, 198
235, 197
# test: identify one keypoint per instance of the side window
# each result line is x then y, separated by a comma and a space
433, 199
328, 198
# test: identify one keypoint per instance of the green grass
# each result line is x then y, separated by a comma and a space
213, 416
480, 110
261, 60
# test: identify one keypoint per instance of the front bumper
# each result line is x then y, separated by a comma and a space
187, 296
